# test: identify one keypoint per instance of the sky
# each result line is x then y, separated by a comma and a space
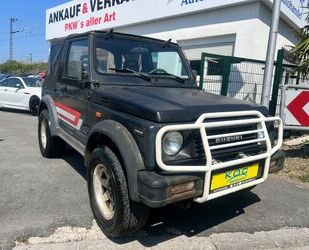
31, 22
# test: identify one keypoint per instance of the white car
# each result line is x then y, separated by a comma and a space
21, 93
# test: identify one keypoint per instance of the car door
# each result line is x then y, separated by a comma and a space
18, 96
12, 96
71, 97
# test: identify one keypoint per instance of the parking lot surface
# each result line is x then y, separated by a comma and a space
40, 195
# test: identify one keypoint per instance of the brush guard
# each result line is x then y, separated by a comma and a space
210, 164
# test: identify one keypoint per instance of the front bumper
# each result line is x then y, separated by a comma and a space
210, 121
158, 189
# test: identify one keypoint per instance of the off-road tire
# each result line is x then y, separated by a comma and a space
53, 146
34, 105
128, 216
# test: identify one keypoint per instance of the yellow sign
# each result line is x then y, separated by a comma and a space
234, 177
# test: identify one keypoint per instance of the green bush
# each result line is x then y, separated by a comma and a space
14, 67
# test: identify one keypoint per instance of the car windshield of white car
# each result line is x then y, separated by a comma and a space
32, 82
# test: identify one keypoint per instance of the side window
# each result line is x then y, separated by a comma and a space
78, 60
54, 55
15, 83
4, 83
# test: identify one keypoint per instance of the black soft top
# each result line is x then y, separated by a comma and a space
62, 40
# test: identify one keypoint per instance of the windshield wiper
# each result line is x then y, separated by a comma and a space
177, 78
126, 70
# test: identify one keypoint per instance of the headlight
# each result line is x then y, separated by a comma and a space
172, 143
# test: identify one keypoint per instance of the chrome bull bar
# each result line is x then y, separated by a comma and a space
202, 125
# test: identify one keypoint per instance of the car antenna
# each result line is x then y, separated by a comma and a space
168, 43
110, 34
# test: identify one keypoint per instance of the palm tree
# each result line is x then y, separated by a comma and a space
301, 52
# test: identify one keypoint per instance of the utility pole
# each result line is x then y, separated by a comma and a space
11, 55
270, 57
30, 58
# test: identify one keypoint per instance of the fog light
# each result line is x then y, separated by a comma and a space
183, 188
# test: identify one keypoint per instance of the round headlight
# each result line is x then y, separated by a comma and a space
172, 143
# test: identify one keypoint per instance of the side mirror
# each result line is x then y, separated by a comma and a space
19, 87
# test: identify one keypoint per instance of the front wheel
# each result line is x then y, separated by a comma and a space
50, 146
112, 208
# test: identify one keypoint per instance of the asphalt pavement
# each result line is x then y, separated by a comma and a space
40, 195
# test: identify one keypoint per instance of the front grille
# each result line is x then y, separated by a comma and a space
214, 142
229, 153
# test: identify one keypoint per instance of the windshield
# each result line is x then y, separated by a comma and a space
150, 59
32, 81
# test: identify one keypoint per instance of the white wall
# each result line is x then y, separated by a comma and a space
249, 23
286, 37
220, 22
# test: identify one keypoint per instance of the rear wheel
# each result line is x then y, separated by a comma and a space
34, 105
112, 208
50, 146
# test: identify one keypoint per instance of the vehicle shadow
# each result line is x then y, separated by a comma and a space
15, 111
76, 161
201, 219
301, 151
167, 223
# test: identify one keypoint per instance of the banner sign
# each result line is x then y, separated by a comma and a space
86, 15
295, 10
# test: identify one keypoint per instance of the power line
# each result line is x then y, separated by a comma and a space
29, 35
37, 25
21, 32
12, 32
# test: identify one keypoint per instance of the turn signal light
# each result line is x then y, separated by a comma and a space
183, 188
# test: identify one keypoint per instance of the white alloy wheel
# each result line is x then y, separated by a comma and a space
103, 191
43, 134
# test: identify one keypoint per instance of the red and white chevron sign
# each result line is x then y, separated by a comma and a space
297, 108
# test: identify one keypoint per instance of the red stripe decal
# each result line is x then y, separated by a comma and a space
71, 111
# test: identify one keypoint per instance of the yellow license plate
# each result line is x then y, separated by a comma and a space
232, 178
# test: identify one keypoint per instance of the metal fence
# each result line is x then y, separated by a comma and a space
242, 78
287, 77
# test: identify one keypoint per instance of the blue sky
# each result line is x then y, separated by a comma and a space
31, 15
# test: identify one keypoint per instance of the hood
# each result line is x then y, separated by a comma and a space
164, 105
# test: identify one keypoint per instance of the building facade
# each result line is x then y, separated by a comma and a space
229, 27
